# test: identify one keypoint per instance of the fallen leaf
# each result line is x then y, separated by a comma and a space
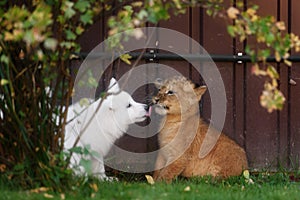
39, 190
187, 189
246, 174
94, 187
48, 196
149, 179
62, 196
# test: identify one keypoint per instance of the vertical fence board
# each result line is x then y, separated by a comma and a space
261, 126
217, 41
295, 93
173, 24
283, 115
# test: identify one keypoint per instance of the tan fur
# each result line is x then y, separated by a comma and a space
180, 139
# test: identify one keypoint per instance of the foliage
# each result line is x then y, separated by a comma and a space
36, 43
270, 33
137, 13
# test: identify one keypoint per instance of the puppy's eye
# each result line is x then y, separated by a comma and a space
129, 105
169, 92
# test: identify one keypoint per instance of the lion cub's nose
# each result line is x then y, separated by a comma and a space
155, 100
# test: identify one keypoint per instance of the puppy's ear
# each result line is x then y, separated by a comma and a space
158, 83
199, 91
113, 87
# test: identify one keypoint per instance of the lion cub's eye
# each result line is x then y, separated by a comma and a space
129, 105
169, 92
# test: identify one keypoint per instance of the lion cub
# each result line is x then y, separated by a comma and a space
182, 134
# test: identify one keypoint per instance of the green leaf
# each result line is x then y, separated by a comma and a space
142, 14
265, 53
92, 82
68, 8
158, 13
50, 43
79, 30
70, 35
4, 59
231, 30
87, 18
86, 164
209, 12
270, 38
29, 37
78, 150
82, 5
84, 102
67, 45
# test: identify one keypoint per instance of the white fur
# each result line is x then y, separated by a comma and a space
109, 123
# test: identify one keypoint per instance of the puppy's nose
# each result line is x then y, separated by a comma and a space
148, 109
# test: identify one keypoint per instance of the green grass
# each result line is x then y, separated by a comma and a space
278, 186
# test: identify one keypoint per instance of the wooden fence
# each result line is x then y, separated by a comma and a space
270, 140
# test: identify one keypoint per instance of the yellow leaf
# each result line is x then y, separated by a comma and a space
137, 4
39, 190
62, 196
277, 56
3, 82
272, 72
125, 58
149, 179
280, 26
48, 196
8, 36
187, 189
246, 174
232, 12
287, 62
251, 11
94, 187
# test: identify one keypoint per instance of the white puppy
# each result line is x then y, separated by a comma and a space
99, 130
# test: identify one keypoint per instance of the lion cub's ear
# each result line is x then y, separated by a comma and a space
199, 91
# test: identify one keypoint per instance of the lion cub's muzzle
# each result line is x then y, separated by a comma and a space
156, 101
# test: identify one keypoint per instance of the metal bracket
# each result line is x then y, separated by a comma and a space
239, 54
152, 57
